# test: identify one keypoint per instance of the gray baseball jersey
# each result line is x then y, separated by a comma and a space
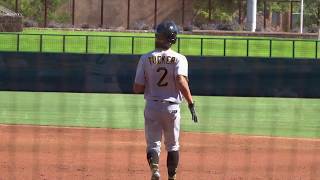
157, 71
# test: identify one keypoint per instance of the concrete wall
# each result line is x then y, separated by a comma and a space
10, 23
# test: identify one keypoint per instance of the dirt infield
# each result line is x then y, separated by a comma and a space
29, 152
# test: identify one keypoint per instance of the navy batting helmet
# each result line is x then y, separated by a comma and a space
169, 30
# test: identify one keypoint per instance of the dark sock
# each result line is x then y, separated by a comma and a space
172, 162
153, 159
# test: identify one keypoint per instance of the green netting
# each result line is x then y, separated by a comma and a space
29, 43
75, 44
305, 49
143, 45
236, 47
259, 48
282, 48
98, 44
190, 46
8, 42
231, 47
52, 43
121, 45
213, 47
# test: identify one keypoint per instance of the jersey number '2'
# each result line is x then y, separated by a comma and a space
160, 82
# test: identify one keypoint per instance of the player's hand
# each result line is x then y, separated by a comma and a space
193, 112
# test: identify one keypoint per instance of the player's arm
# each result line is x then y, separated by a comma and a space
183, 86
181, 78
182, 83
138, 88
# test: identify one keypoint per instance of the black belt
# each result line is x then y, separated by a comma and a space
163, 101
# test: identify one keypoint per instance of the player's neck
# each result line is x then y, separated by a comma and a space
162, 49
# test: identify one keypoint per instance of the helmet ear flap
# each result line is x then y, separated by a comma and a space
172, 38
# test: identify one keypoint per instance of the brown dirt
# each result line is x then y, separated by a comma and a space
32, 152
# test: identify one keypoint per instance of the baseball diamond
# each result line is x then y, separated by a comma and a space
277, 137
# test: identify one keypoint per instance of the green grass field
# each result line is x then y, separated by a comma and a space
287, 117
123, 43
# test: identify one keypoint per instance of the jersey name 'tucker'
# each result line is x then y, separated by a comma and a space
157, 71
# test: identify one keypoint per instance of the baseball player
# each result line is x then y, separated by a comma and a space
162, 75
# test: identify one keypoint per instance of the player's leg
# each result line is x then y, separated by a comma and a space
153, 134
171, 134
153, 160
172, 164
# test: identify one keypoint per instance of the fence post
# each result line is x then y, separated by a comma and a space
45, 13
16, 6
132, 45
109, 44
182, 18
63, 43
201, 47
291, 17
128, 15
264, 14
101, 12
293, 49
270, 48
155, 13
18, 42
224, 46
178, 45
247, 47
87, 42
40, 42
73, 11
317, 49
209, 10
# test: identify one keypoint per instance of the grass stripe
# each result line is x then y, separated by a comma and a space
287, 117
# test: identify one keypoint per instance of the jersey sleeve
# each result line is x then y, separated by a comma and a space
140, 79
182, 67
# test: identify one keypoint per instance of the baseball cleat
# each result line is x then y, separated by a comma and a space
155, 175
172, 178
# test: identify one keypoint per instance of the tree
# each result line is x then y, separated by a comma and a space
312, 12
227, 10
10, 4
222, 10
34, 9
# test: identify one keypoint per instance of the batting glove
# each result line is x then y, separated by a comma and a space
193, 112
